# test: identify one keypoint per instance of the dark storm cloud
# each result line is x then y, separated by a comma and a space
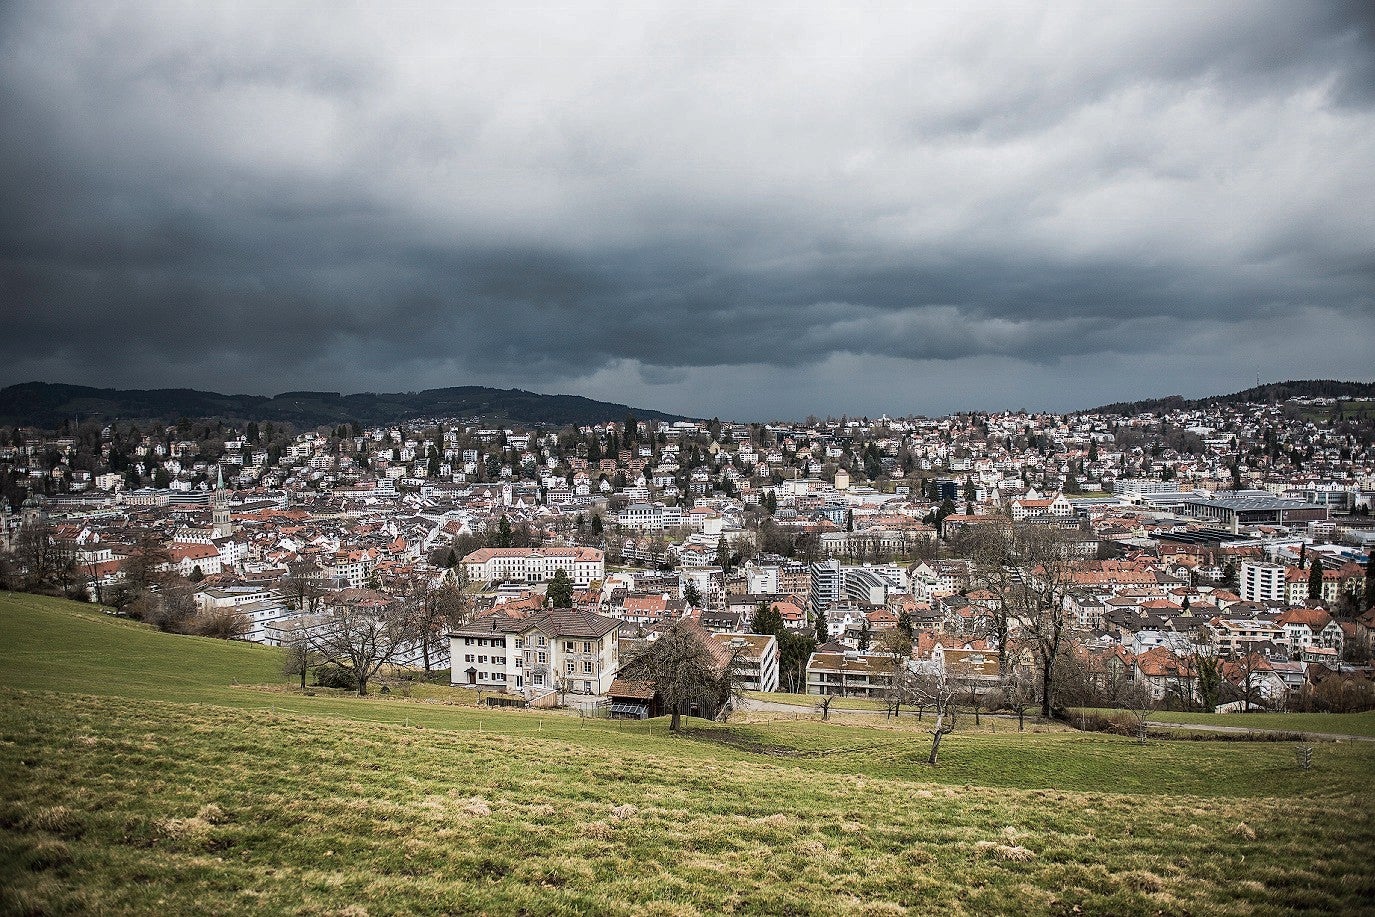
395, 198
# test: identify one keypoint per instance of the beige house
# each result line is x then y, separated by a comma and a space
560, 649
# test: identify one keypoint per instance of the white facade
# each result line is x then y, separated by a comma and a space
558, 650
1261, 582
535, 565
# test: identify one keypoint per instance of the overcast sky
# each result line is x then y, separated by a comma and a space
717, 209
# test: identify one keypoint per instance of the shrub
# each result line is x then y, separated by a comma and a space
336, 676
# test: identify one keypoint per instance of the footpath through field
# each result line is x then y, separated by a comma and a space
1210, 727
755, 704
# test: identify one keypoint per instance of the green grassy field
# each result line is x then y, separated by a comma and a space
141, 772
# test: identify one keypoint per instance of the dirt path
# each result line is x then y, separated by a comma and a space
1209, 727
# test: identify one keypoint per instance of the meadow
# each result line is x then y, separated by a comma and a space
142, 772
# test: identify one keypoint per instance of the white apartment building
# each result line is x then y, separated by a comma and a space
564, 649
650, 517
1261, 582
756, 659
535, 565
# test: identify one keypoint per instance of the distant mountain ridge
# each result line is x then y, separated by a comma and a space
46, 404
1270, 391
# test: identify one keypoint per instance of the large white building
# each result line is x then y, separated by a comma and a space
535, 565
561, 649
650, 517
1261, 582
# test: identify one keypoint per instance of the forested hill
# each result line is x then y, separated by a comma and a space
48, 405
1262, 394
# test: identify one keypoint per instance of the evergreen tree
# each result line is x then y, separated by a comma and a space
1315, 579
692, 595
766, 620
560, 591
503, 539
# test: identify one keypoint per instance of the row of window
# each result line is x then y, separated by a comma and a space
482, 660
569, 646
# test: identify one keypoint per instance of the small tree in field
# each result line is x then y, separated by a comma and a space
823, 707
938, 690
1137, 699
300, 657
1019, 694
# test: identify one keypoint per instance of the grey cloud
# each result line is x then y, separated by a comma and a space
254, 198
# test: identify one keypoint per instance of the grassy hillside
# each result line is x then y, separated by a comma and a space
137, 776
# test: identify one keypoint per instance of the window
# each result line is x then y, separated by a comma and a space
468, 658
587, 646
481, 641
587, 668
482, 660
568, 646
539, 641
543, 658
520, 681
519, 662
498, 660
587, 687
520, 643
570, 667
467, 641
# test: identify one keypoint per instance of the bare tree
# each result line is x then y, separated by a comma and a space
1046, 568
363, 636
300, 655
1018, 694
823, 706
938, 690
1138, 701
433, 610
300, 588
1247, 671
45, 561
992, 550
896, 646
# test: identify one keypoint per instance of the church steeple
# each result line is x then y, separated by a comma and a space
219, 515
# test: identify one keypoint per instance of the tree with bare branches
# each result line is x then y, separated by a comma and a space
364, 635
937, 689
1046, 567
434, 609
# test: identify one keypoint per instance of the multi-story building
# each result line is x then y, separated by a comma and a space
756, 659
649, 517
1261, 582
535, 565
561, 649
849, 674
